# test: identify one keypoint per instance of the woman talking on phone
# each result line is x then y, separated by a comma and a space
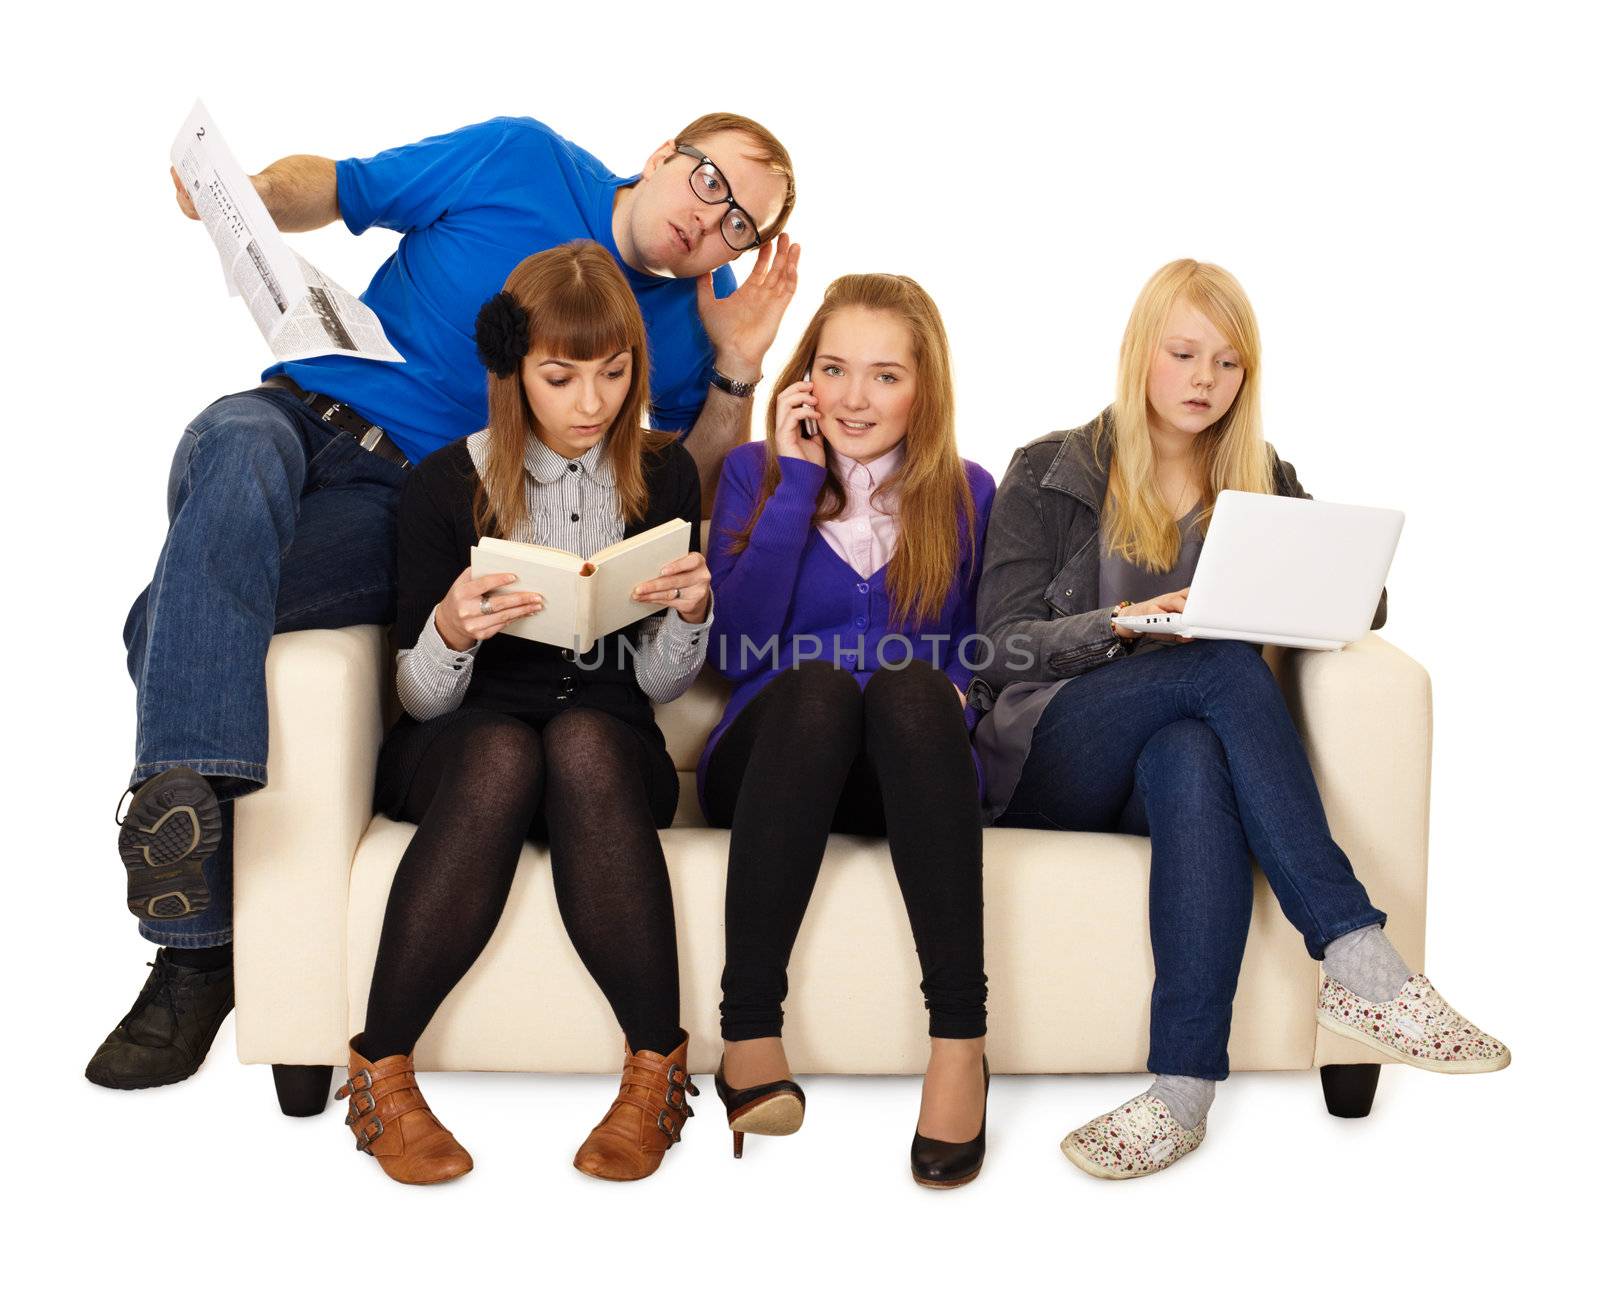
1189, 743
856, 527
504, 737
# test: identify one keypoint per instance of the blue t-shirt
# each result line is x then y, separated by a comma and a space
471, 205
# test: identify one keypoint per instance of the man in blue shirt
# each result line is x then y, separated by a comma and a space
282, 499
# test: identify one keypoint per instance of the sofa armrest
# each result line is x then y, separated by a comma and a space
295, 838
1366, 715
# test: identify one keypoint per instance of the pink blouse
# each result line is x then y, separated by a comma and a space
864, 533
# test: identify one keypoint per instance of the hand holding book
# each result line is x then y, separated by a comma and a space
583, 600
471, 612
685, 584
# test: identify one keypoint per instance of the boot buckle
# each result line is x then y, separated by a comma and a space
357, 1110
368, 1136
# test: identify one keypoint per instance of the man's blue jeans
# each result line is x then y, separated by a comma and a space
1193, 746
276, 522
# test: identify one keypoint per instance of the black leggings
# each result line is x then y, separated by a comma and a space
815, 753
475, 783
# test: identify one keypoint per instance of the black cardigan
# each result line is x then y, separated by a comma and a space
512, 674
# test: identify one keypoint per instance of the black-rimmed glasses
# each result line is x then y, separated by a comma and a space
739, 231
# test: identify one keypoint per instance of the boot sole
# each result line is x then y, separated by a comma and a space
104, 1080
1095, 1170
1479, 1067
164, 847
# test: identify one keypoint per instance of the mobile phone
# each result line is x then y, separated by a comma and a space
808, 426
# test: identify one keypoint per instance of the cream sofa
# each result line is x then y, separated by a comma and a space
1067, 946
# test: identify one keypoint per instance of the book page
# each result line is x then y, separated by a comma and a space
620, 568
546, 571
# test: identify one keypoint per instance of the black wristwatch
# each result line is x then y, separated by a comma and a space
722, 382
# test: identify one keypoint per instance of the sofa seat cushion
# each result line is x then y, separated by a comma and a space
1067, 951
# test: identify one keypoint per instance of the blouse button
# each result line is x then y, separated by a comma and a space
572, 467
574, 516
860, 621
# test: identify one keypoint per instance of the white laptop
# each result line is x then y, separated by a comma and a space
1299, 572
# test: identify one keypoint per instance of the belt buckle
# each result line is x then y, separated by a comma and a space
373, 438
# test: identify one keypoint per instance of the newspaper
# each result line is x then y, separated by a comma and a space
299, 310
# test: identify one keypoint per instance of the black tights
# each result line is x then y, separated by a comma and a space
814, 753
480, 778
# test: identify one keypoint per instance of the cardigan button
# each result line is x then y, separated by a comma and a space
572, 467
862, 587
860, 621
566, 654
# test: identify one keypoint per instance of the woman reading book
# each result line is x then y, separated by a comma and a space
857, 530
504, 737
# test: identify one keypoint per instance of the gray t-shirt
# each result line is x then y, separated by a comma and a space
1005, 735
1123, 580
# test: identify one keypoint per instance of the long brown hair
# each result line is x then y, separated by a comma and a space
933, 495
579, 308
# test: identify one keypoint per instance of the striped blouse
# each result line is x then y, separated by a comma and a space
572, 505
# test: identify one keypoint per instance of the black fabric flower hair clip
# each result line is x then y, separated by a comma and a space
502, 334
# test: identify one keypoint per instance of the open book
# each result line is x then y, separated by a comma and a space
583, 601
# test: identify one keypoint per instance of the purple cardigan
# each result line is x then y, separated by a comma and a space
789, 583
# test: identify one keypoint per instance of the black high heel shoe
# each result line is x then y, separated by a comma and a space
951, 1164
776, 1109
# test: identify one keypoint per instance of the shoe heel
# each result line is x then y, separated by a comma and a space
775, 1109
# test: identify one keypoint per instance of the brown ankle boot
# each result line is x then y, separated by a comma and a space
644, 1121
392, 1122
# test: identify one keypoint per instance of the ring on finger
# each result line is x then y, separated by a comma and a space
485, 605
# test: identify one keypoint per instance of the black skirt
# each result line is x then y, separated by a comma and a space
409, 740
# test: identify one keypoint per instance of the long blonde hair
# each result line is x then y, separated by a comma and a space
933, 495
1138, 524
579, 308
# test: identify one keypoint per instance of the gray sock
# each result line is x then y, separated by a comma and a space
1365, 963
1186, 1097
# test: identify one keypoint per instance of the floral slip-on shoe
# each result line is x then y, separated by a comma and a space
1140, 1137
1416, 1026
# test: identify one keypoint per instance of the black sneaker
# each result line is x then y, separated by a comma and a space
168, 1030
172, 828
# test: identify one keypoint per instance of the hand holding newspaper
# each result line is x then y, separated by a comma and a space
299, 310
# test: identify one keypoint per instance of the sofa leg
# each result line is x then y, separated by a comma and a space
302, 1090
1349, 1090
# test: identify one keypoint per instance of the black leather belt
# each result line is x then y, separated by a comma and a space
342, 418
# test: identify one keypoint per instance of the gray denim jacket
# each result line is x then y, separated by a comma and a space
1039, 597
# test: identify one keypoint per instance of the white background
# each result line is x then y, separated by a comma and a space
1404, 192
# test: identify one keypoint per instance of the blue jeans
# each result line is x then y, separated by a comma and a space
275, 522
1193, 746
